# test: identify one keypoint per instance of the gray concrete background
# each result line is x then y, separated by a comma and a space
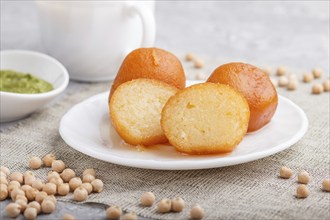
294, 33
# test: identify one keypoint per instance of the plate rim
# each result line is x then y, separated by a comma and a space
182, 164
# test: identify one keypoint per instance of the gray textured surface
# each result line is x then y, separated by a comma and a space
295, 34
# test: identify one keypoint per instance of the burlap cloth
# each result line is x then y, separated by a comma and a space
247, 191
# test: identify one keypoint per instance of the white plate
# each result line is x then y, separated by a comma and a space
87, 128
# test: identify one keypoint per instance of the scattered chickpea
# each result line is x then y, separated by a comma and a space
5, 170
17, 176
30, 213
63, 189
38, 184
190, 57
15, 193
147, 199
67, 175
292, 77
28, 180
197, 212
326, 85
283, 81
21, 197
267, 70
308, 77
14, 182
130, 216
281, 71
317, 89
317, 72
31, 194
22, 204
326, 185
35, 162
74, 183
28, 173
36, 205
53, 174
292, 85
303, 177
88, 187
56, 181
178, 204
11, 187
68, 217
200, 76
198, 63
58, 166
302, 191
90, 171
26, 188
3, 192
97, 185
48, 159
285, 172
51, 198
40, 196
164, 205
88, 178
13, 210
2, 174
113, 213
47, 206
49, 188
3, 180
80, 194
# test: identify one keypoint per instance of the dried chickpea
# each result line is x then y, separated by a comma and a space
317, 89
53, 174
30, 213
68, 217
13, 210
303, 177
130, 216
28, 180
88, 178
3, 180
3, 191
63, 189
28, 173
302, 191
35, 162
88, 187
74, 183
31, 194
58, 166
198, 63
15, 193
47, 206
2, 174
326, 85
200, 76
48, 159
38, 184
178, 204
56, 181
35, 205
17, 176
326, 185
97, 185
14, 182
26, 188
292, 85
90, 171
67, 175
5, 170
21, 197
164, 205
113, 213
21, 203
267, 70
147, 199
51, 198
197, 212
285, 172
281, 71
308, 77
190, 56
80, 194
283, 81
49, 188
40, 196
317, 72
11, 187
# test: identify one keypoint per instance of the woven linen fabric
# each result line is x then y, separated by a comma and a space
247, 191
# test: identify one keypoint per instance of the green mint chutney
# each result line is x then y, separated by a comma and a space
16, 82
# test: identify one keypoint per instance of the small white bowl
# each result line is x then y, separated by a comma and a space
15, 106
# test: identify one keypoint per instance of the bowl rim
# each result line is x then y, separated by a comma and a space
53, 92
